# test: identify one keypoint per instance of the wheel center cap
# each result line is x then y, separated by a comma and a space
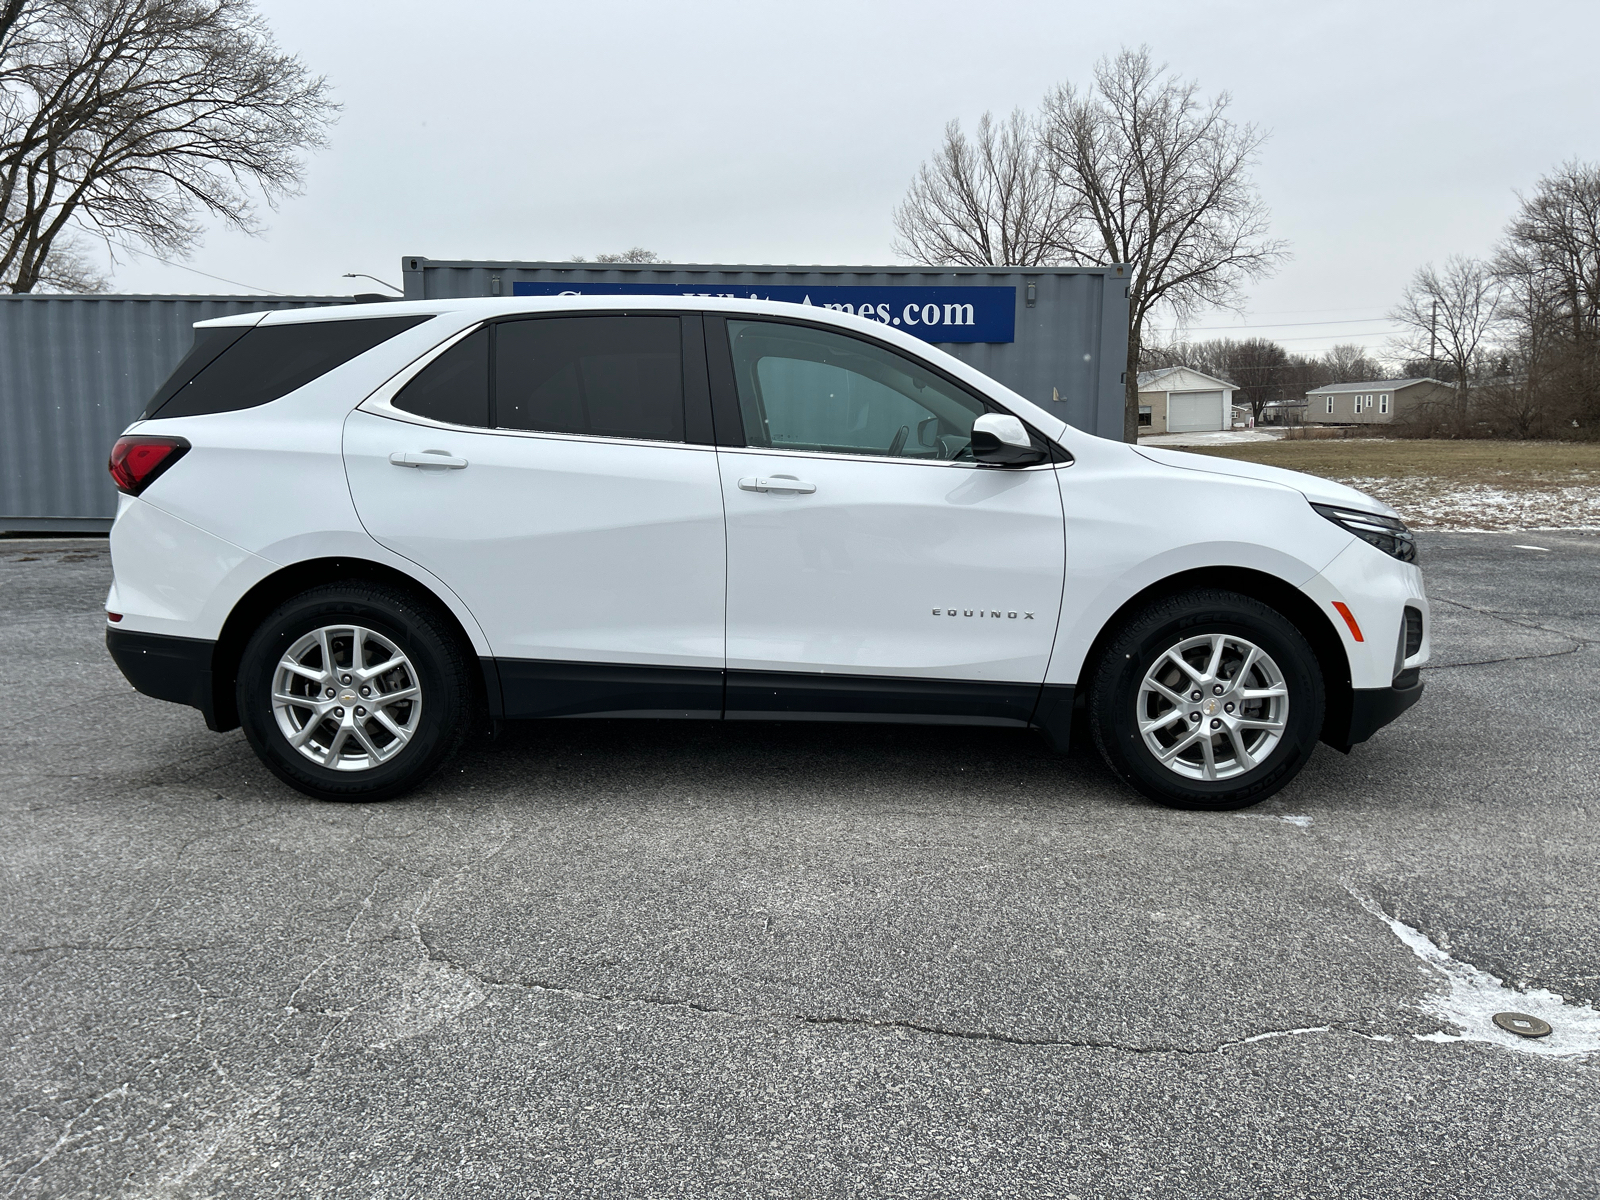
1211, 707
350, 698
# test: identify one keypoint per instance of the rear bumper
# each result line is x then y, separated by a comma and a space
1373, 708
166, 667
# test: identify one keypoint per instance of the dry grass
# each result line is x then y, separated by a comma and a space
1508, 465
1452, 485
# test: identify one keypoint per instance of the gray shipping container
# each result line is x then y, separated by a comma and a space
74, 372
1061, 337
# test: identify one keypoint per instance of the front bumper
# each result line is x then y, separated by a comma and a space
1373, 708
166, 667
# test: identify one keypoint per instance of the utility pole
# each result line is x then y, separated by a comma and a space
1433, 338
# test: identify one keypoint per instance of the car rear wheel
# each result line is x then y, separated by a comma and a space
354, 691
1207, 700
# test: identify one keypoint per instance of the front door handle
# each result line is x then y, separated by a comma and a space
439, 460
776, 483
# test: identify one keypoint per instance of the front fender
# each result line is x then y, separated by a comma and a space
1132, 524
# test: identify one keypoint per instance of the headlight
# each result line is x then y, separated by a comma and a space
1388, 534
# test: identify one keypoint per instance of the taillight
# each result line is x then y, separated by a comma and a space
138, 461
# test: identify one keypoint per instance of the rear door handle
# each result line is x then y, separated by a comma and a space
776, 483
439, 460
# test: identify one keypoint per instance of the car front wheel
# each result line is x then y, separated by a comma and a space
1207, 700
353, 691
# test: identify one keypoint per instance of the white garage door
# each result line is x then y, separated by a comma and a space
1188, 412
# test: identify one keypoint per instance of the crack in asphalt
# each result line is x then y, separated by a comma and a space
100, 948
1489, 662
66, 1137
1578, 643
435, 955
1509, 619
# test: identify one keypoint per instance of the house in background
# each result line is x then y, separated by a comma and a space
1182, 400
1374, 402
1284, 412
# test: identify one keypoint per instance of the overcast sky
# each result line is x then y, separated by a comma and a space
786, 133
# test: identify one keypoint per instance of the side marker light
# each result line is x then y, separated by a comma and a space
1349, 619
113, 617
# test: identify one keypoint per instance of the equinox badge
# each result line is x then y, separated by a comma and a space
991, 614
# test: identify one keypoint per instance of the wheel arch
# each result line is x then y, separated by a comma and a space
1277, 593
252, 608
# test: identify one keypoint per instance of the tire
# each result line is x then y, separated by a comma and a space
1233, 756
409, 652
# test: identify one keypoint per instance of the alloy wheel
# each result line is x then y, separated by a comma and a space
346, 698
1212, 707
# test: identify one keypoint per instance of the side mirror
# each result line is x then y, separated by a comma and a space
1000, 440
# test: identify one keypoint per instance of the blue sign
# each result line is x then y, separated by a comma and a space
934, 314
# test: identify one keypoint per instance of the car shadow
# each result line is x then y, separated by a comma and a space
636, 756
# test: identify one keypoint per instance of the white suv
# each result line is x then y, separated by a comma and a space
357, 531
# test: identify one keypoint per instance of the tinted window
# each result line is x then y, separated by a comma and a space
606, 376
810, 389
454, 387
208, 346
274, 360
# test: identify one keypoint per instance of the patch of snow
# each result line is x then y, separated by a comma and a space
1430, 502
1472, 997
1279, 1033
1298, 821
1212, 437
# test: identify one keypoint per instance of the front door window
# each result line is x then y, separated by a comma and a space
802, 388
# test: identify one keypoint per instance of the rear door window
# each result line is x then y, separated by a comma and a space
604, 376
268, 362
453, 388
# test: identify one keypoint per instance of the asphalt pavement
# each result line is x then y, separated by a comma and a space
648, 959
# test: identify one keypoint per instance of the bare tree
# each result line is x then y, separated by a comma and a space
136, 119
1155, 178
1556, 236
988, 202
1258, 368
1453, 313
635, 254
1348, 362
1550, 265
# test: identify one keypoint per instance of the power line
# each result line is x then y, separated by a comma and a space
194, 270
1292, 324
1287, 312
1338, 337
1326, 337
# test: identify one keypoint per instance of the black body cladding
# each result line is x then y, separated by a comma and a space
1373, 708
169, 668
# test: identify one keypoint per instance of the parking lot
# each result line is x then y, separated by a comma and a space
657, 959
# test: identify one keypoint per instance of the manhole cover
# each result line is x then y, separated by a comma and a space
1522, 1024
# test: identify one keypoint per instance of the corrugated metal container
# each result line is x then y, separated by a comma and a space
1064, 344
74, 371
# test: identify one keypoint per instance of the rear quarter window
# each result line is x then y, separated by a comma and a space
453, 388
244, 369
